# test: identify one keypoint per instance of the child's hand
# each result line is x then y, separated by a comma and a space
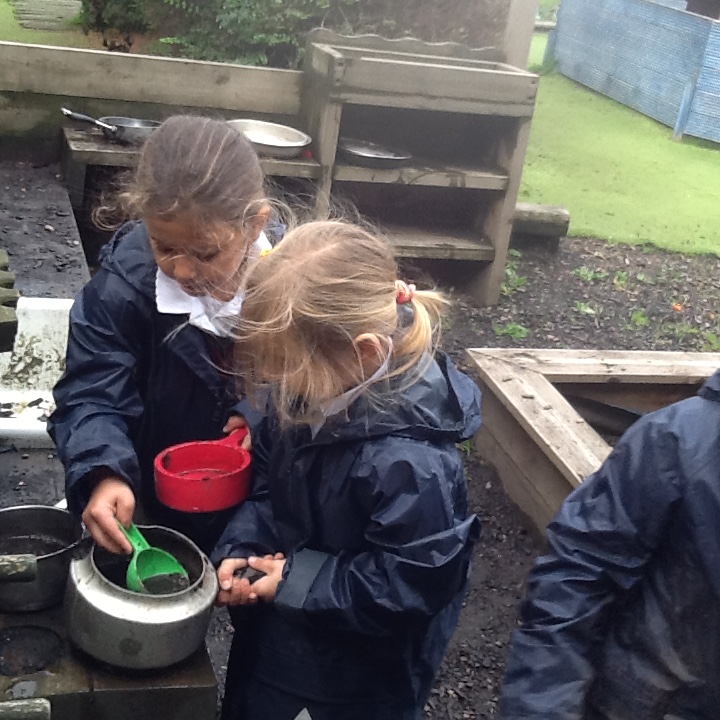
236, 590
110, 501
266, 588
235, 422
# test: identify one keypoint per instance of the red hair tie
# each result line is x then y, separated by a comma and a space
404, 292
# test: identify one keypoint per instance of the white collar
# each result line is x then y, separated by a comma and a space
205, 311
343, 402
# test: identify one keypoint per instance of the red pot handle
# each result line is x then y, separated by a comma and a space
235, 438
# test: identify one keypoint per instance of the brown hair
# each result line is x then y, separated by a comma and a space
325, 284
191, 164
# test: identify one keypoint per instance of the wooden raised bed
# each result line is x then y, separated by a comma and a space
533, 431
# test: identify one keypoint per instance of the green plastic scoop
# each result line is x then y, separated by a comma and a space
152, 571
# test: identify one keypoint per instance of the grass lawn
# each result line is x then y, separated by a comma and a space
620, 174
12, 31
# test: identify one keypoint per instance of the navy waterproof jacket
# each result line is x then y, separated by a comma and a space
372, 516
623, 614
135, 384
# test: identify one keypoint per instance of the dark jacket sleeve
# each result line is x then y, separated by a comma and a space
600, 544
252, 529
419, 542
98, 399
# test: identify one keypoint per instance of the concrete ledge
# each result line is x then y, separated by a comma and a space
546, 223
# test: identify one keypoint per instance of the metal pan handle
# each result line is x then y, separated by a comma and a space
86, 118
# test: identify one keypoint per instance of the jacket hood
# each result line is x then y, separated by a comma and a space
442, 406
128, 255
711, 388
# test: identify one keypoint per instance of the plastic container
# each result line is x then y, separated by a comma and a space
204, 476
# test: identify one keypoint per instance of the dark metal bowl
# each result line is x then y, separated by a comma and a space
50, 534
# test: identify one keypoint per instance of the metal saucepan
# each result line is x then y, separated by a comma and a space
271, 139
129, 131
134, 631
49, 534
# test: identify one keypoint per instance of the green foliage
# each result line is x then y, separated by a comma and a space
513, 281
588, 275
511, 329
273, 32
466, 446
584, 308
123, 16
712, 342
620, 279
639, 318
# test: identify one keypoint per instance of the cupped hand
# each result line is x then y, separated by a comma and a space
111, 500
238, 591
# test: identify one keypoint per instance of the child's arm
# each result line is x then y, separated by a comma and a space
419, 537
252, 529
601, 541
97, 398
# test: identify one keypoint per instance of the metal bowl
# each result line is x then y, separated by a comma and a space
271, 139
48, 533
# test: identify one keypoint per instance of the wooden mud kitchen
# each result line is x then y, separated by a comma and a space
453, 123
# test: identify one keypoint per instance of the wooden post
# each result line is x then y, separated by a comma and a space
519, 31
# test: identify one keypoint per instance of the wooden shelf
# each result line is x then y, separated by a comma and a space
92, 148
438, 244
456, 177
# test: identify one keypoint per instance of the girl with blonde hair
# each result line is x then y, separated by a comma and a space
358, 516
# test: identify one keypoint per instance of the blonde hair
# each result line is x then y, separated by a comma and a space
306, 302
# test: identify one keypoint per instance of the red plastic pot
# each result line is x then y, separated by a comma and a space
204, 476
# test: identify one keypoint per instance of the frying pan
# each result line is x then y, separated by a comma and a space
368, 154
129, 131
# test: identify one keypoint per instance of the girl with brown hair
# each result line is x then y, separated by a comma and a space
148, 334
358, 515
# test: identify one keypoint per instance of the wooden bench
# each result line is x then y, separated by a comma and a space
536, 431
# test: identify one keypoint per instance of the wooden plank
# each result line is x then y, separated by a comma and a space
498, 221
438, 81
70, 72
641, 397
424, 102
531, 480
437, 177
570, 444
437, 244
613, 366
403, 45
359, 52
519, 29
91, 148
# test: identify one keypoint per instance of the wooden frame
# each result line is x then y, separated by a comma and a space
540, 445
426, 80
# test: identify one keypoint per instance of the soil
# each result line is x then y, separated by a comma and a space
585, 294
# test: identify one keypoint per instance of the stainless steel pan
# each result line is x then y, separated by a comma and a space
125, 130
271, 139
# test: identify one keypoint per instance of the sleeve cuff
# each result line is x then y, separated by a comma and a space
298, 582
